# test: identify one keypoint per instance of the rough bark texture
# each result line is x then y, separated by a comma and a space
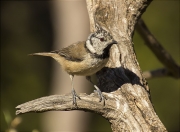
128, 106
122, 75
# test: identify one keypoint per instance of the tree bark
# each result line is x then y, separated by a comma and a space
127, 106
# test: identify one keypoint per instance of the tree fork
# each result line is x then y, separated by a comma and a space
128, 106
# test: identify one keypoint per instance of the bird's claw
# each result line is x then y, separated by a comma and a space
74, 95
101, 96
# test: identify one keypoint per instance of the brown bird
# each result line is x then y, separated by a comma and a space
84, 58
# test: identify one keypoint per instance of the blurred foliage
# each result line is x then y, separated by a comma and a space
26, 28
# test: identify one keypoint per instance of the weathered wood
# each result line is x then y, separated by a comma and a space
128, 106
122, 75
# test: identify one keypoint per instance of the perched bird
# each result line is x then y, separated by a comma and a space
84, 58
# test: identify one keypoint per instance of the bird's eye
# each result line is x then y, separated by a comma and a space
101, 39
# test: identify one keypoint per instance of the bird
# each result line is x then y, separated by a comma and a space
84, 58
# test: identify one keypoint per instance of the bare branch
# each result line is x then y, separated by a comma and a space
162, 72
163, 56
60, 103
116, 110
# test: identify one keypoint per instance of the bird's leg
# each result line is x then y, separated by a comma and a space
74, 95
101, 97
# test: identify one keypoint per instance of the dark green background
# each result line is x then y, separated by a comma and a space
26, 27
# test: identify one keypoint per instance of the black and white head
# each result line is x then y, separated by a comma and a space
100, 42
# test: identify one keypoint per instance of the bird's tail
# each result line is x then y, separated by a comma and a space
56, 56
44, 54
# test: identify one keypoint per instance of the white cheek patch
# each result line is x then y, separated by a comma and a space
90, 47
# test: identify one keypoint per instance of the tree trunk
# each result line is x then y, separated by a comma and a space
127, 106
123, 78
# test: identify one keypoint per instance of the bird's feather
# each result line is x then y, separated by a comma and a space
75, 52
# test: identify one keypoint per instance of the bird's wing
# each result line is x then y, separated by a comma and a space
74, 52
